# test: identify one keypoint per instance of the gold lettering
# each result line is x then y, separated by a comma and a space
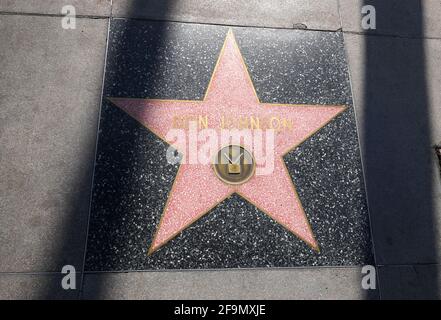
243, 123
227, 122
272, 123
255, 123
287, 124
203, 123
175, 122
223, 122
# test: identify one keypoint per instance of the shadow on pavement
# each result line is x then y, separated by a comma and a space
159, 10
397, 150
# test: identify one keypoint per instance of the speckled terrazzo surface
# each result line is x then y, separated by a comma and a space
132, 177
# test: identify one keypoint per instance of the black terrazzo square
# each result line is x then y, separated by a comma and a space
133, 178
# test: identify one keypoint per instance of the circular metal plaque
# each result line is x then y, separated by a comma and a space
234, 164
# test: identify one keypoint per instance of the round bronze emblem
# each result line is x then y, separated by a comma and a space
234, 164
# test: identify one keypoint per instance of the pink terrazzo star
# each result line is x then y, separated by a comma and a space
196, 189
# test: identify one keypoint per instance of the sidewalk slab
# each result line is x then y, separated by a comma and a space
395, 17
321, 15
155, 67
50, 88
283, 284
23, 286
82, 7
396, 88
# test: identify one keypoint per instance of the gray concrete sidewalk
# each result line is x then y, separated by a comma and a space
50, 91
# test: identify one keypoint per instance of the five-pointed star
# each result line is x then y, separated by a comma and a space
196, 189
